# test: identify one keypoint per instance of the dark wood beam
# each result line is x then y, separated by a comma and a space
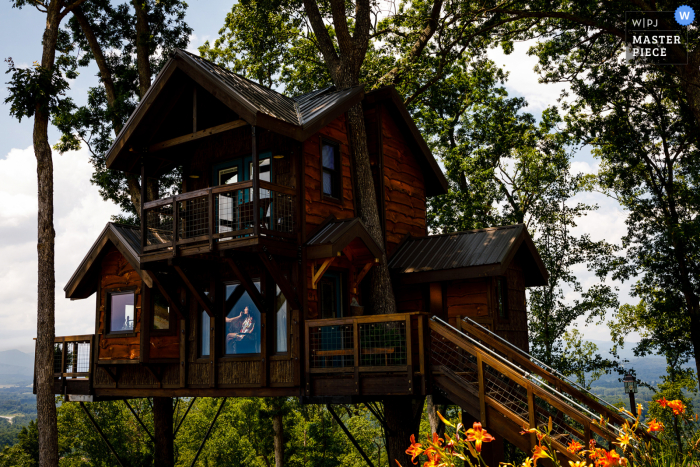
179, 424
102, 435
248, 284
197, 135
166, 293
138, 419
201, 299
349, 435
280, 278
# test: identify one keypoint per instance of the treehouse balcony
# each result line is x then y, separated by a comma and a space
219, 218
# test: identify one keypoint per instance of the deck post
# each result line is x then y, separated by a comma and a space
102, 435
482, 388
204, 441
256, 183
349, 435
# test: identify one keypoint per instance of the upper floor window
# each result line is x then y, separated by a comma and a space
502, 297
121, 312
330, 159
161, 310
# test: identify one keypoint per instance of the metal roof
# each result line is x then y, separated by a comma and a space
336, 235
125, 238
463, 250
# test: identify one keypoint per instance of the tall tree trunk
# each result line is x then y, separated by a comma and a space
46, 300
278, 429
436, 425
163, 421
143, 35
402, 415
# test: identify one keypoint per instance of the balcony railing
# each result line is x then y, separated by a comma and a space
220, 214
392, 342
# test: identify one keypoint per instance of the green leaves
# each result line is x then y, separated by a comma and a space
35, 89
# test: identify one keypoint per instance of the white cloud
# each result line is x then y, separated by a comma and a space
523, 81
80, 215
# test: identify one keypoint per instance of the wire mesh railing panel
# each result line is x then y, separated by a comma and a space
278, 211
506, 392
58, 357
82, 358
450, 358
159, 225
331, 346
226, 212
383, 344
193, 217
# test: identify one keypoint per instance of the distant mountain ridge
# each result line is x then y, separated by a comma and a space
16, 367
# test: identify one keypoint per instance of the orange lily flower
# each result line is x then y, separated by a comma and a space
437, 440
677, 406
478, 435
623, 441
433, 459
655, 426
540, 452
574, 446
577, 464
662, 402
608, 459
414, 450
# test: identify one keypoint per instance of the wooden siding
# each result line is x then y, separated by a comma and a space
514, 329
404, 185
319, 208
117, 274
469, 297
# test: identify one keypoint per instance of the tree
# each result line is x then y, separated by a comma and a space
129, 43
38, 92
505, 167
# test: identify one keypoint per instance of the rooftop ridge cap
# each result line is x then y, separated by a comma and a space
485, 229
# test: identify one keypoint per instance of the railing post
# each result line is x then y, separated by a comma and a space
421, 353
482, 388
75, 358
531, 414
409, 354
356, 354
144, 240
210, 200
307, 364
176, 224
256, 184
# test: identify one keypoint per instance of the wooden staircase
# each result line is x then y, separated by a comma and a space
508, 391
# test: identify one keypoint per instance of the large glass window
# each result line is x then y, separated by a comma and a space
161, 310
242, 322
330, 158
121, 312
281, 322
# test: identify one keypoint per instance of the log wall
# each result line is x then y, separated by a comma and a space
117, 274
404, 185
319, 208
515, 329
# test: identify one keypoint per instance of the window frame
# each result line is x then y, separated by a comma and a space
199, 358
107, 295
339, 160
149, 299
273, 327
221, 320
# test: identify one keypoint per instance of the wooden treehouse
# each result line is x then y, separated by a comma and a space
253, 280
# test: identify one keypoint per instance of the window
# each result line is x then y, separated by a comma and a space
242, 321
121, 312
330, 296
281, 322
205, 334
330, 158
502, 297
161, 310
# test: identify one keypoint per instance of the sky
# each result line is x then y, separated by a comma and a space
81, 214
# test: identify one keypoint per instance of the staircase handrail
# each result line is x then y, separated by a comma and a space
528, 376
612, 411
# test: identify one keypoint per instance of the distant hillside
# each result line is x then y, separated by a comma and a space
16, 367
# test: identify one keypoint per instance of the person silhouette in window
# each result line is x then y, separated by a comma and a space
241, 334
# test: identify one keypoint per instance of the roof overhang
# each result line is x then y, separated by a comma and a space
435, 181
522, 249
121, 155
336, 235
85, 279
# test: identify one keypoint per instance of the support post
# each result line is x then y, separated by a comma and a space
204, 441
349, 435
256, 183
144, 240
102, 435
482, 389
138, 419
